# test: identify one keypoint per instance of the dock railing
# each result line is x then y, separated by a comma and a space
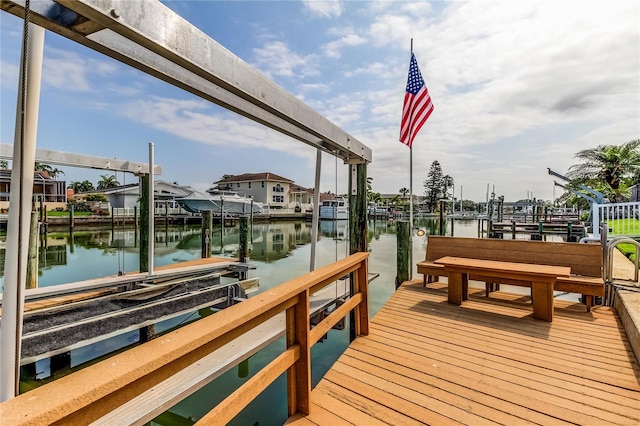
92, 392
621, 218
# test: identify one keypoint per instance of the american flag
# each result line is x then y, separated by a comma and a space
417, 105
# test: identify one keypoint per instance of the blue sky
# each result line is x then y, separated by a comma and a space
517, 87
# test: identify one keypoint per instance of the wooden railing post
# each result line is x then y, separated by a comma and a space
361, 285
299, 375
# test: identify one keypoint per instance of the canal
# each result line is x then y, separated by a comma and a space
280, 251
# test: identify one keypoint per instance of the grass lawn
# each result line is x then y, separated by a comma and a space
629, 227
55, 213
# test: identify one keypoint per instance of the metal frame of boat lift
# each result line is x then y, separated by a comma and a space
186, 58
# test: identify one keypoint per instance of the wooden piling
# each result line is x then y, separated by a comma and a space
205, 233
72, 221
144, 223
32, 263
403, 242
357, 227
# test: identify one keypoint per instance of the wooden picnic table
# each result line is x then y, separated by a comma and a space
541, 278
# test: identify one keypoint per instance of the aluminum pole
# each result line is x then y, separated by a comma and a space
15, 267
152, 211
411, 206
316, 211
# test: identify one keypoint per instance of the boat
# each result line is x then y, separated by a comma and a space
229, 202
334, 209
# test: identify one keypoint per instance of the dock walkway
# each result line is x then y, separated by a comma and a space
487, 362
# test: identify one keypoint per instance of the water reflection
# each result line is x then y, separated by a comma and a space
73, 256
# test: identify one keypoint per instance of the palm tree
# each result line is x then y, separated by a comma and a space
107, 181
84, 186
404, 192
608, 163
51, 171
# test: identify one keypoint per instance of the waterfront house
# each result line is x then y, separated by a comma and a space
268, 188
50, 191
128, 196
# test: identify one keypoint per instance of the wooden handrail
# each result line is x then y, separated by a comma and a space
92, 392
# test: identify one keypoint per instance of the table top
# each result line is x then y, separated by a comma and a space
480, 265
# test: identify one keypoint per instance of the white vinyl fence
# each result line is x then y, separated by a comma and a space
621, 218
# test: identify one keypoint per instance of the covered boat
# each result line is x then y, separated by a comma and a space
230, 203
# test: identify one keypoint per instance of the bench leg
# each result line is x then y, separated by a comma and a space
465, 286
455, 288
589, 300
542, 294
489, 287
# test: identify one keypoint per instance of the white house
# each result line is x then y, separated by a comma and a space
267, 188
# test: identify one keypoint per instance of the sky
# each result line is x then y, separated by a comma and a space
518, 87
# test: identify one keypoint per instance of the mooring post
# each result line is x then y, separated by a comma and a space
243, 247
32, 263
441, 218
513, 229
243, 369
72, 222
403, 239
452, 223
205, 233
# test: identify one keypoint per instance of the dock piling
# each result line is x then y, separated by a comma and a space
403, 244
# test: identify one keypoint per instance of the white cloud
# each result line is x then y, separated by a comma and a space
327, 9
276, 59
69, 71
198, 121
333, 49
9, 75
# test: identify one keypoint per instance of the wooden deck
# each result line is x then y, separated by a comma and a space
488, 361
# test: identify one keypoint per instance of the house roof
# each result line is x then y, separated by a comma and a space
252, 177
297, 188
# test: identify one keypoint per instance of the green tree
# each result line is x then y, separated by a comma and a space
615, 165
108, 181
96, 197
4, 164
84, 186
404, 192
437, 185
51, 171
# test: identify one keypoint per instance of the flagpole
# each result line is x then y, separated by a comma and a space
411, 202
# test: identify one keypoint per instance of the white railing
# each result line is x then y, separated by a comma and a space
159, 211
621, 218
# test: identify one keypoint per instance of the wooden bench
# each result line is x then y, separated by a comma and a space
541, 279
585, 261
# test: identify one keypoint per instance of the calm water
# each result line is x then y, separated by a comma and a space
280, 251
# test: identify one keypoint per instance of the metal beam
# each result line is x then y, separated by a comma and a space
149, 36
84, 161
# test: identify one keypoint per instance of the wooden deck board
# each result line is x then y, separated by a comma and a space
485, 362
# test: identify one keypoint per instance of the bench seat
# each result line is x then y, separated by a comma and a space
585, 261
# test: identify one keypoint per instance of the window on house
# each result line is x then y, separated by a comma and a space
249, 185
238, 185
262, 184
278, 188
277, 198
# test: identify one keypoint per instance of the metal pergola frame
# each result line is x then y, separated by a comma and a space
188, 58
136, 33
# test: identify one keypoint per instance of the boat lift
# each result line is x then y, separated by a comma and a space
202, 67
599, 196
